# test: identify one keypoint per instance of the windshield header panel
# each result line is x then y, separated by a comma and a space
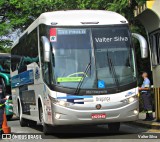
61, 38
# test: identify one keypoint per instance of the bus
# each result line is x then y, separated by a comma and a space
76, 67
149, 15
5, 82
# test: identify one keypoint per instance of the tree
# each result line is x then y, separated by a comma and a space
21, 13
5, 45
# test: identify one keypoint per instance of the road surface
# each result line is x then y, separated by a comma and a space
89, 133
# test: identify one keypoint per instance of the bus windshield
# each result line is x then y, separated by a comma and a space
106, 50
5, 64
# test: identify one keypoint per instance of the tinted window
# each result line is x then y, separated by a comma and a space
155, 47
25, 52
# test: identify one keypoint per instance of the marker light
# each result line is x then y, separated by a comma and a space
57, 115
96, 22
131, 99
135, 111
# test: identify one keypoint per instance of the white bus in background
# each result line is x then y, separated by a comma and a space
76, 67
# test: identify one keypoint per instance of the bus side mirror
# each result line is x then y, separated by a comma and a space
143, 44
46, 48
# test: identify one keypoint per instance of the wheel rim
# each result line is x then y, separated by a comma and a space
20, 114
42, 119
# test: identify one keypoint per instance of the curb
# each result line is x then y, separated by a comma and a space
147, 124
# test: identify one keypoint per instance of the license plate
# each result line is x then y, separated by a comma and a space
98, 116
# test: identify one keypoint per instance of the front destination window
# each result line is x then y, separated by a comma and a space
92, 58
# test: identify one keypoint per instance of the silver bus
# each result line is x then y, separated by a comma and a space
76, 67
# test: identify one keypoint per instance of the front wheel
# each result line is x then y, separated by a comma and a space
114, 127
46, 127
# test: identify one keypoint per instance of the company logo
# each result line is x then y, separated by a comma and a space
102, 99
53, 35
6, 136
129, 94
21, 136
98, 106
53, 38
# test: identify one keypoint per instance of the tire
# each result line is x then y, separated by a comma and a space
9, 117
32, 123
46, 128
114, 127
23, 122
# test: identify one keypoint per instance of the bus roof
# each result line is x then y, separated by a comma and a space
77, 18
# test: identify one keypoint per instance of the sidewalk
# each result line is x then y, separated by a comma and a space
148, 124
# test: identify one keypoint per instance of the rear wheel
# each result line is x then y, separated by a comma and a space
114, 127
32, 123
23, 122
46, 128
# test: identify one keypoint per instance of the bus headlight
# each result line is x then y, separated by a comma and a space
130, 99
61, 102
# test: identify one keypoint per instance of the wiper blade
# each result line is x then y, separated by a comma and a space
113, 72
115, 75
82, 79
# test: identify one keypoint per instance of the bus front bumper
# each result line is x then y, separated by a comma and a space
67, 116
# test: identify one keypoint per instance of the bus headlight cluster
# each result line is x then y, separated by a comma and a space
130, 99
61, 102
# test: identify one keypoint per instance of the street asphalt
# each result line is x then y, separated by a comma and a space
128, 132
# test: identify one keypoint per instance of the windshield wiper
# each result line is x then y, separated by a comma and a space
112, 70
83, 77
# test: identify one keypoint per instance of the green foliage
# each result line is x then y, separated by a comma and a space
118, 5
5, 46
140, 2
18, 13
